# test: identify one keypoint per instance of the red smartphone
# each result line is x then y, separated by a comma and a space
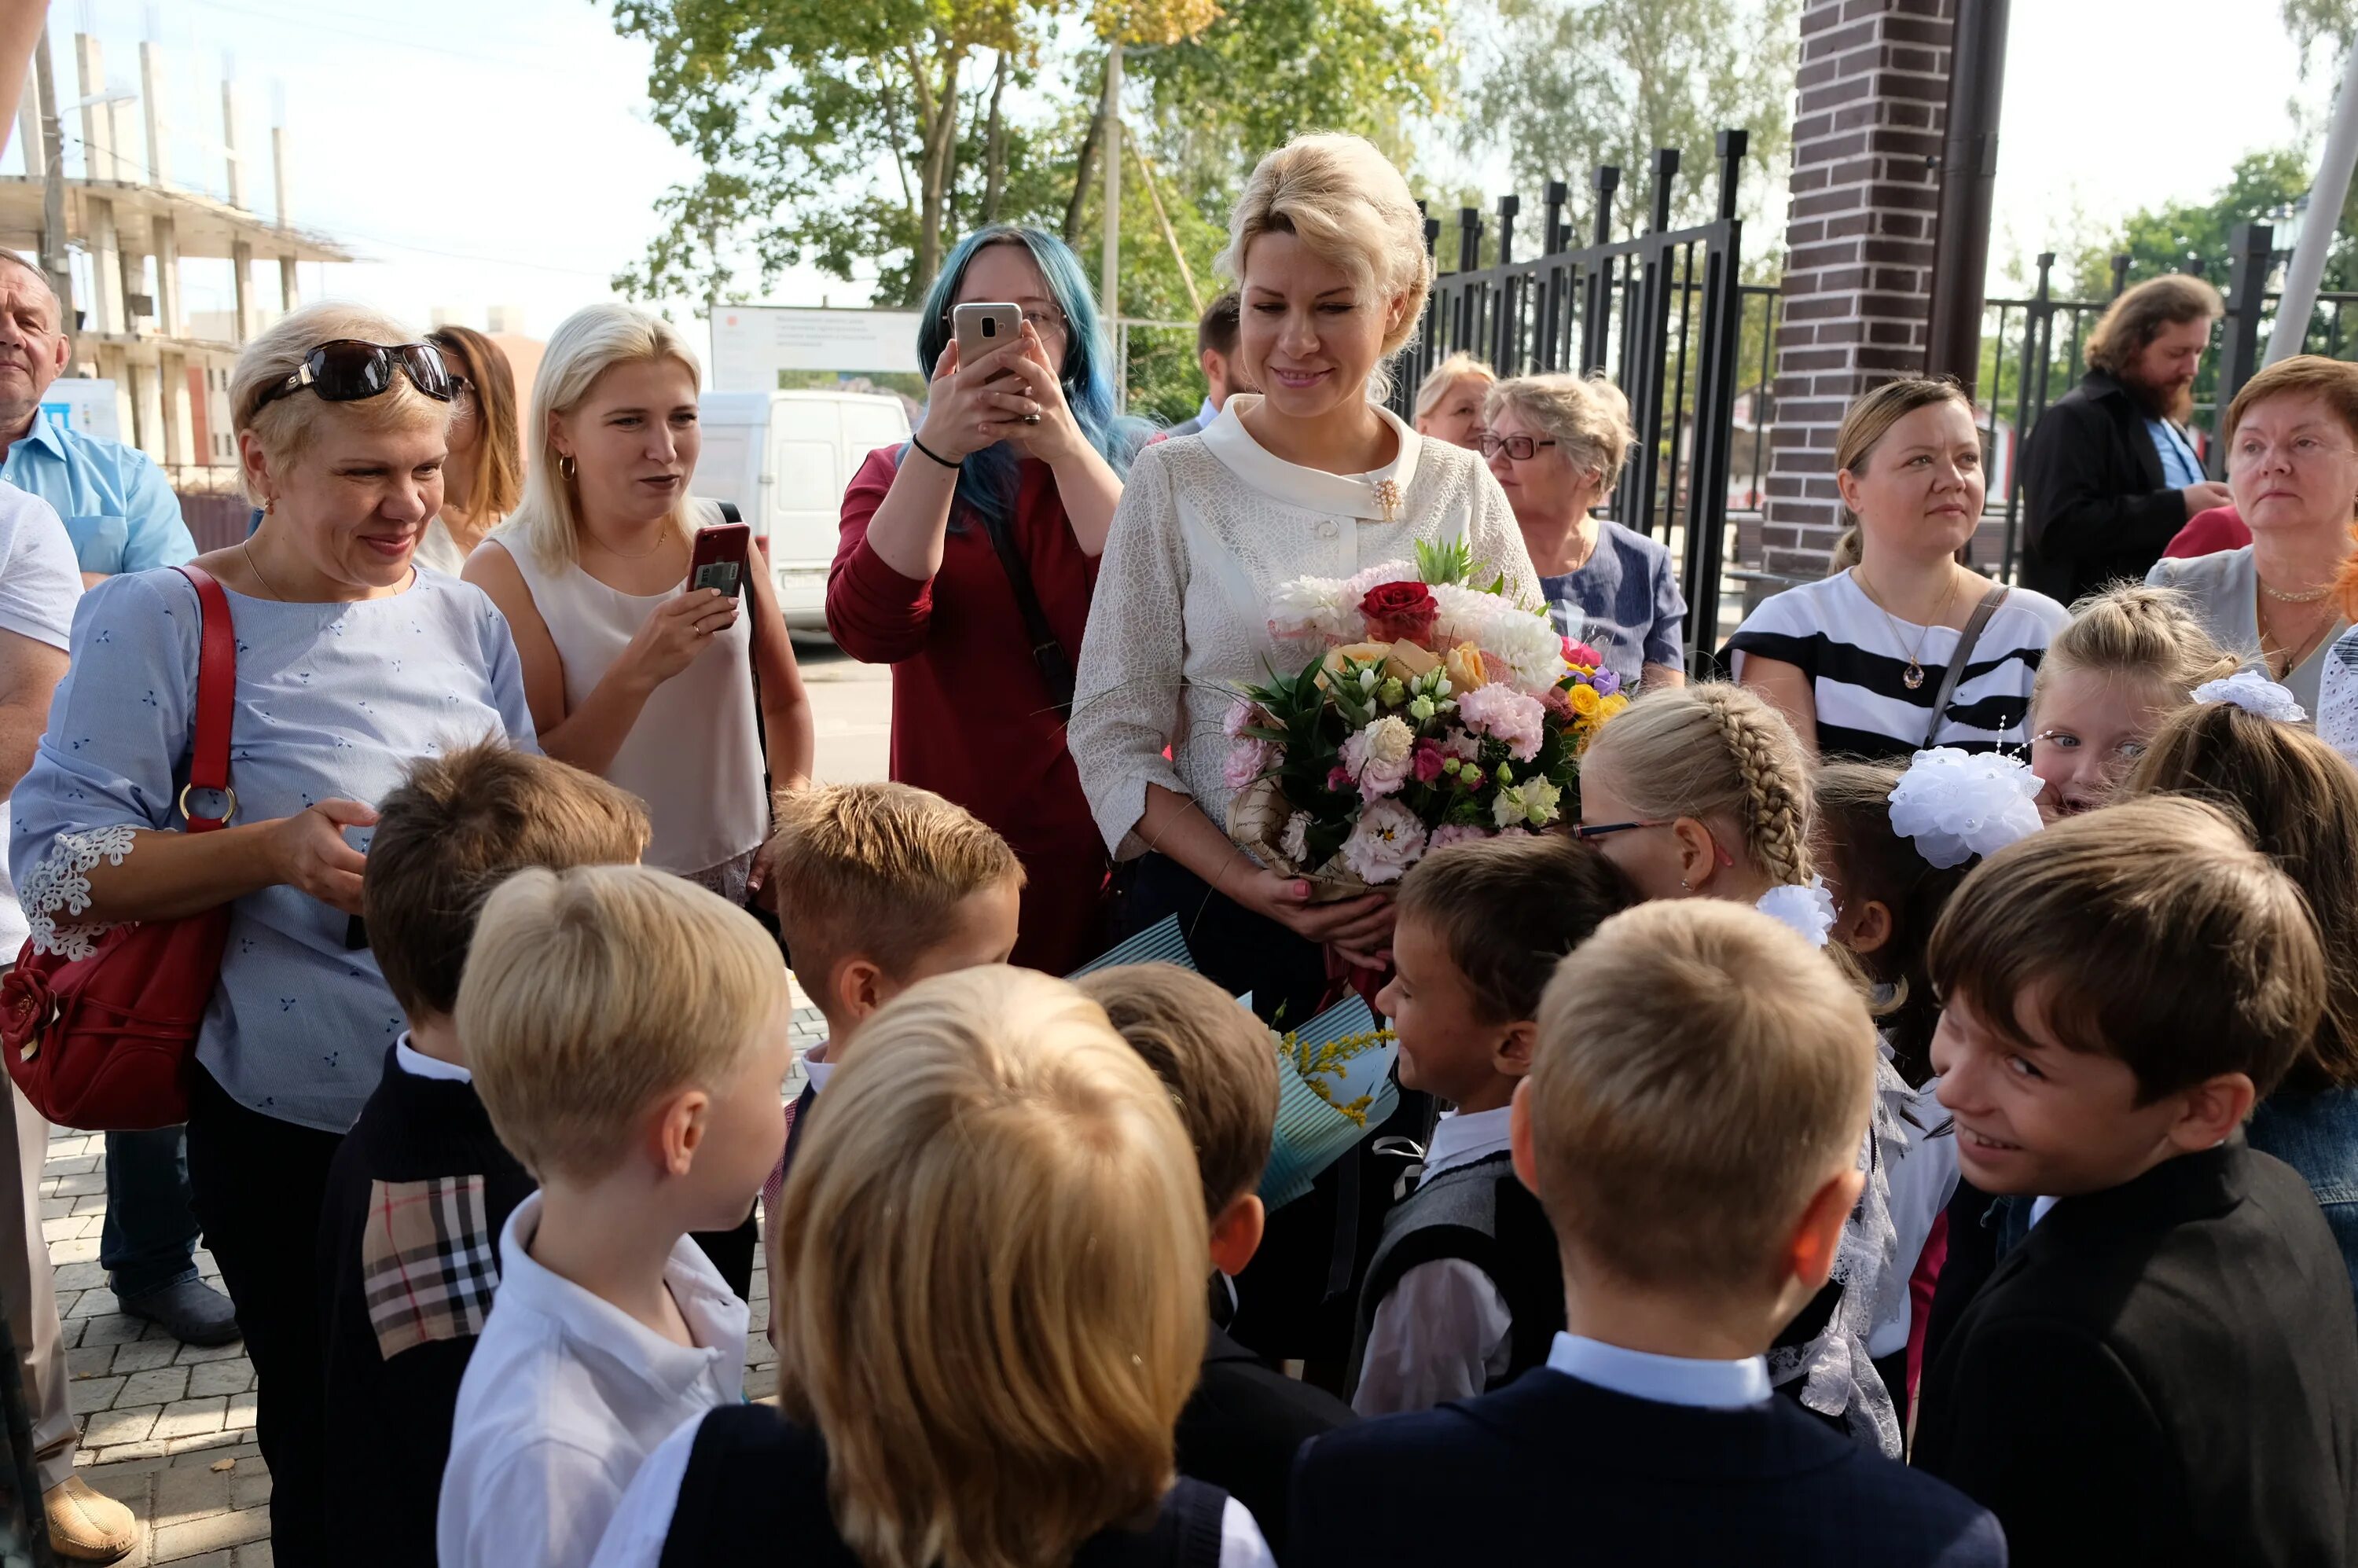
720, 558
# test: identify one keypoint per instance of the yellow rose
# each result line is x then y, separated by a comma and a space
1585, 700
1611, 705
1463, 666
1367, 655
1406, 661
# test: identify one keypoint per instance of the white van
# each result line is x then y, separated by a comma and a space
785, 459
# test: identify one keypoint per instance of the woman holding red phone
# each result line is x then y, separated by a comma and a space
642, 616
967, 561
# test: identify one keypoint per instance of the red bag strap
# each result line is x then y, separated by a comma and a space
216, 699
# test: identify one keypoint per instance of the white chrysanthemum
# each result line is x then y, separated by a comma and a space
1955, 805
1808, 909
1385, 842
1526, 643
1312, 605
2254, 693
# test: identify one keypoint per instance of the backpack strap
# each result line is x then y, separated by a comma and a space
1055, 670
216, 700
1956, 670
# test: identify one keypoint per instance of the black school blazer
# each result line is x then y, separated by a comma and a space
2164, 1373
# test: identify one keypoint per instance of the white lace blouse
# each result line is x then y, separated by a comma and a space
1207, 527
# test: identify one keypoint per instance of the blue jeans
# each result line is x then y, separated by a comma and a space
150, 1239
2317, 1134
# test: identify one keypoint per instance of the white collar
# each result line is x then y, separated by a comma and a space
1312, 490
2039, 1208
418, 1065
716, 1318
818, 1072
1664, 1379
1461, 1137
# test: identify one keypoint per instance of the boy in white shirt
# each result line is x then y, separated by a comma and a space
628, 1032
1461, 1293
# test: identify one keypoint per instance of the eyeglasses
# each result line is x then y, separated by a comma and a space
1590, 834
1523, 448
349, 370
1043, 320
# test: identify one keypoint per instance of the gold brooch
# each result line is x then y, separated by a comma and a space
1388, 496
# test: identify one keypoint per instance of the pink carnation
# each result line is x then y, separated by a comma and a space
1456, 833
1379, 757
1241, 714
1427, 760
1506, 715
1338, 777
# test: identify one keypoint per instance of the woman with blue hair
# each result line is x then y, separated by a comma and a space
967, 561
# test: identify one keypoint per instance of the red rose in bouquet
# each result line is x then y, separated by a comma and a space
1397, 610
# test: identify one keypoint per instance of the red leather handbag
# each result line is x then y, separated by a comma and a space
104, 1044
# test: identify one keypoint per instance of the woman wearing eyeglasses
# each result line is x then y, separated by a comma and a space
349, 664
1555, 444
967, 560
2291, 435
485, 475
634, 674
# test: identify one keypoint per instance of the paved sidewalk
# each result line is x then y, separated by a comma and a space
168, 1429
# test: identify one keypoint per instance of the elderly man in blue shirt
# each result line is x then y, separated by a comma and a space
122, 515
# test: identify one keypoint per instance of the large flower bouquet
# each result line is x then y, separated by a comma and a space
1432, 709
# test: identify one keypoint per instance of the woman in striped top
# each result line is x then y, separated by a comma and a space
1858, 661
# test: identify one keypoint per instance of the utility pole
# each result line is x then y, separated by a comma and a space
53, 188
2324, 216
1109, 149
1952, 344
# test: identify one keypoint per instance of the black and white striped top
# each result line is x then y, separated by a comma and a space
1855, 657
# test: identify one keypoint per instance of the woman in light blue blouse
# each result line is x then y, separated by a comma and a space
1556, 444
350, 664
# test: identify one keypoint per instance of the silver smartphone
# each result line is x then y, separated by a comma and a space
982, 328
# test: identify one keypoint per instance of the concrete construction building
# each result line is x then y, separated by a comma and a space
135, 225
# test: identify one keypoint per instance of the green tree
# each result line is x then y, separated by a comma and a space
1570, 84
795, 107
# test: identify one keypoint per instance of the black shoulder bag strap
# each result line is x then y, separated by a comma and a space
1956, 670
1055, 670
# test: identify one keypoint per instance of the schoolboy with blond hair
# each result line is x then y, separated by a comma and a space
2164, 1369
1002, 1231
421, 1186
1690, 1123
880, 885
1247, 1420
628, 1031
1461, 1293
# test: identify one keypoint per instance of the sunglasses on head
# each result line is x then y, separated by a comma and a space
348, 371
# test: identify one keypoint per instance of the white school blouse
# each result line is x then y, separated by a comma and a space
1209, 527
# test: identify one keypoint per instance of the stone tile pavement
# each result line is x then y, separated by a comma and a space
168, 1429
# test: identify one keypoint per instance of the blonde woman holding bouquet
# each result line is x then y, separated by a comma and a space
1309, 476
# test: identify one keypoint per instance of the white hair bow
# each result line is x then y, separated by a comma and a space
1955, 804
2254, 693
1807, 908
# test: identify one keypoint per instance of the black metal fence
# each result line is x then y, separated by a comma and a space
1665, 312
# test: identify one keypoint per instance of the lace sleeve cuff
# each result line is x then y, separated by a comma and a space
59, 888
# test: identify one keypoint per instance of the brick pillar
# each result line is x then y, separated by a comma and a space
1874, 80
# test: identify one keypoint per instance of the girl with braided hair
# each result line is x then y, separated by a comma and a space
1704, 792
1699, 791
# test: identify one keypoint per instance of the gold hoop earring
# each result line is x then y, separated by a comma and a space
566, 465
269, 505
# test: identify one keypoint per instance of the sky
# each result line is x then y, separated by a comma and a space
500, 153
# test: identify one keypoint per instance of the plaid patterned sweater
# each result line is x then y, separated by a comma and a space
409, 1258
